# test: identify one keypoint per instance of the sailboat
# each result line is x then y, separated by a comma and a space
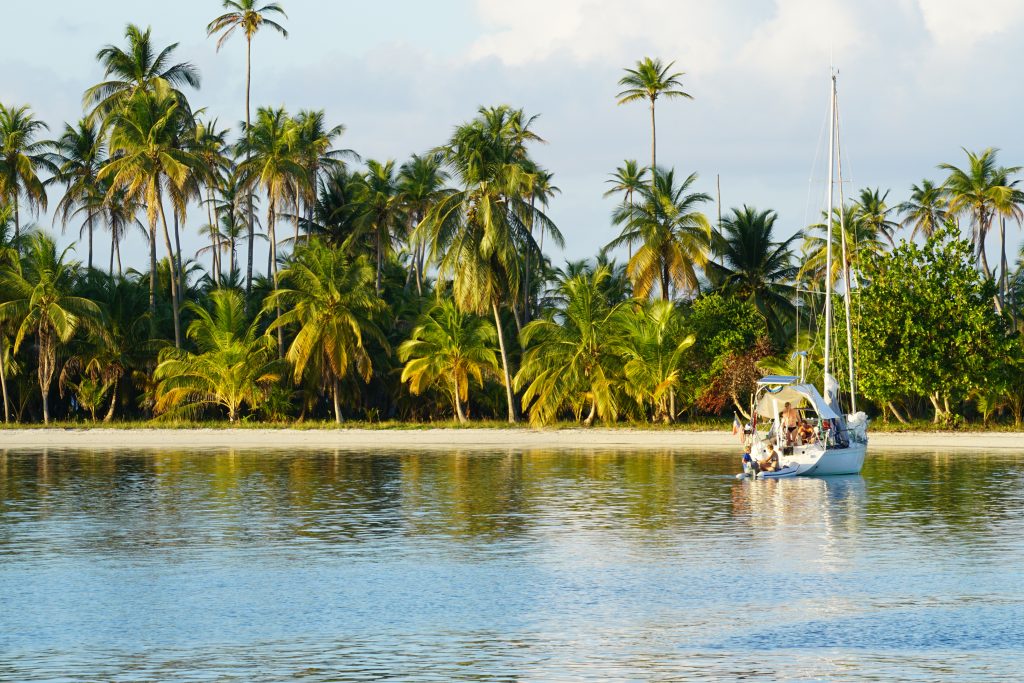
825, 440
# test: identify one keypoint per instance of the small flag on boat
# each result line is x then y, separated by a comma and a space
737, 428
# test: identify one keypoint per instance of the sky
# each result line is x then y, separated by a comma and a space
918, 81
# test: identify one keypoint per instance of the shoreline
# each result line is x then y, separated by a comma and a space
463, 438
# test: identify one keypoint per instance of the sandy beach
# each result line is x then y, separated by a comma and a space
455, 438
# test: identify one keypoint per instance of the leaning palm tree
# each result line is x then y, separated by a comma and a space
449, 349
925, 211
80, 153
570, 361
39, 289
978, 191
754, 266
234, 364
147, 163
328, 298
138, 67
22, 158
649, 80
249, 17
672, 233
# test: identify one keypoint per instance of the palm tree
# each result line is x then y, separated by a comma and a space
316, 153
862, 243
421, 182
209, 144
649, 80
925, 211
381, 208
22, 157
80, 153
627, 179
652, 344
271, 162
673, 235
478, 233
139, 67
979, 192
569, 359
146, 162
120, 212
327, 296
234, 364
248, 16
448, 348
9, 256
874, 213
754, 266
40, 300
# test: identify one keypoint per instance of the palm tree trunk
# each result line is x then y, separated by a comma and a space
3, 382
380, 259
504, 365
113, 403
177, 260
664, 282
248, 155
1002, 262
654, 149
45, 369
337, 400
174, 280
458, 406
214, 236
593, 413
90, 240
113, 246
17, 219
271, 218
120, 270
152, 276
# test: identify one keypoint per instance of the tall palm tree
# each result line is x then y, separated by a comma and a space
421, 183
569, 360
381, 207
449, 348
327, 296
478, 232
874, 212
978, 192
862, 243
925, 211
80, 153
248, 16
627, 179
649, 80
22, 158
754, 266
137, 67
673, 235
209, 144
147, 163
233, 367
315, 150
120, 212
271, 163
40, 300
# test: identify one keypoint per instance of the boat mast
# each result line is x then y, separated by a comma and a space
846, 262
828, 229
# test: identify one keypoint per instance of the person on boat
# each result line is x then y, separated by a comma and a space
805, 433
770, 463
790, 421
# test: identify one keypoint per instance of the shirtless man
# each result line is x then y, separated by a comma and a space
790, 420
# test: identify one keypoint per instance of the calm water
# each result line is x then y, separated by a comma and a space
524, 566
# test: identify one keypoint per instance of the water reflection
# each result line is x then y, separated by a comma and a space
531, 565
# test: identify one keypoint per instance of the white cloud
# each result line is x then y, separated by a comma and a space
958, 25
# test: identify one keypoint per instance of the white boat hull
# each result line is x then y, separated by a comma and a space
816, 461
